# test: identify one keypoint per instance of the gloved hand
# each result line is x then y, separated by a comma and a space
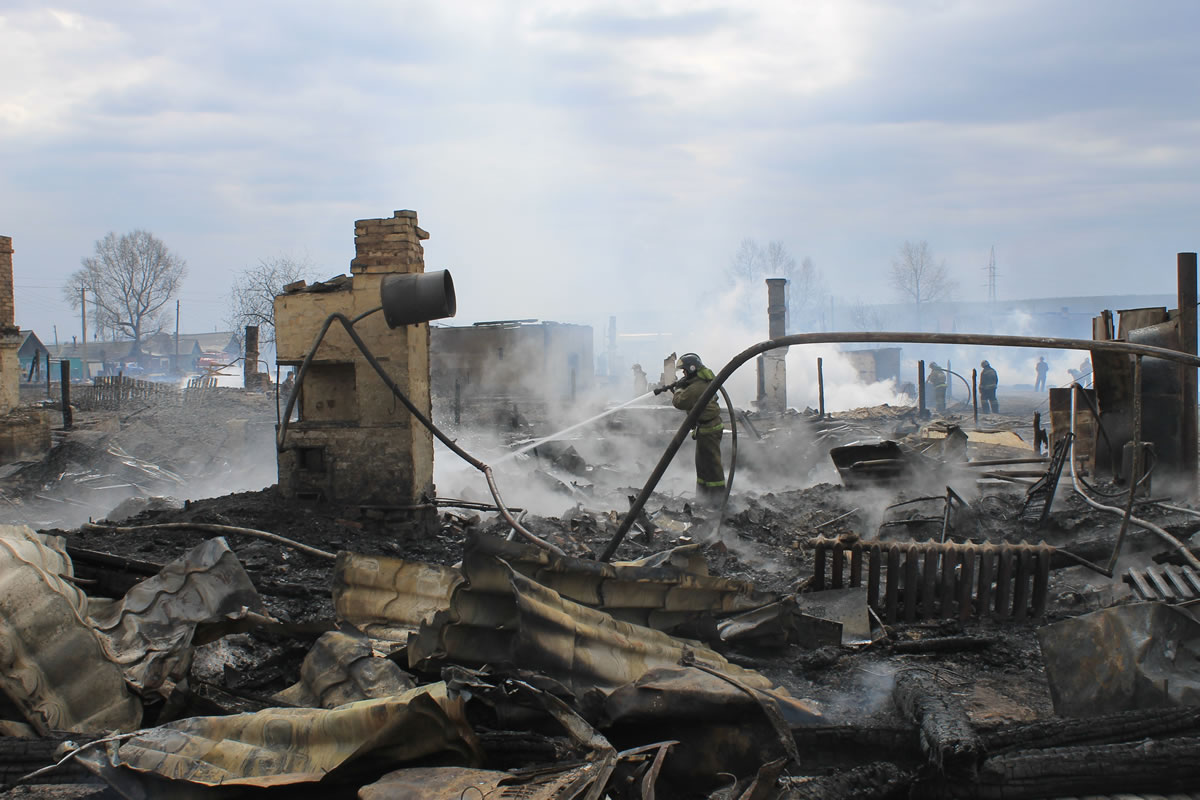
670, 387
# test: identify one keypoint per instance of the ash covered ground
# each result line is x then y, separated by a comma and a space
167, 465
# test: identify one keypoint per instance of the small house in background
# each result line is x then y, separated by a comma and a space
87, 362
490, 368
194, 352
875, 364
31, 355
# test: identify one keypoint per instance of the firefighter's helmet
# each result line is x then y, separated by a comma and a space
690, 363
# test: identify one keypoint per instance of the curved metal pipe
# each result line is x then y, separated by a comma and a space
732, 463
348, 324
961, 378
987, 339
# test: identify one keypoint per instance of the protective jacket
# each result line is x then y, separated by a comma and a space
689, 391
937, 377
988, 379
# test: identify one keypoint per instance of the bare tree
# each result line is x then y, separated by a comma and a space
917, 277
252, 296
131, 279
807, 298
753, 263
865, 318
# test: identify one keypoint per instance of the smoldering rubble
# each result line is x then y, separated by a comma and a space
911, 624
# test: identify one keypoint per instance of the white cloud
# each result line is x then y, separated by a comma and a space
578, 159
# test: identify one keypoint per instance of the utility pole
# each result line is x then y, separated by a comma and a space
991, 276
176, 337
83, 317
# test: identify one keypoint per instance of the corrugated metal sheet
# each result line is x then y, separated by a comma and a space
52, 666
582, 647
149, 632
666, 592
276, 747
388, 598
342, 668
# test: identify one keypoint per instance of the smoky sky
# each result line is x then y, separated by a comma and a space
573, 160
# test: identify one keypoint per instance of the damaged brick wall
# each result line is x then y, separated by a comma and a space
354, 442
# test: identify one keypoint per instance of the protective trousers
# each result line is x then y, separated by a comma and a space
710, 473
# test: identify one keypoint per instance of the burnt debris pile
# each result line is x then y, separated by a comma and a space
903, 627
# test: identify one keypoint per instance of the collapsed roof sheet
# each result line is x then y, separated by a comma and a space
52, 665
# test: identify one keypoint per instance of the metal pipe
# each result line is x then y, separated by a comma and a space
1186, 283
1135, 479
1141, 523
348, 324
732, 464
987, 339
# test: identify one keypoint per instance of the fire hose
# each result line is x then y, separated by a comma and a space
993, 340
349, 324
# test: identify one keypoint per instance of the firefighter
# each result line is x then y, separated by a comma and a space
937, 382
710, 473
988, 380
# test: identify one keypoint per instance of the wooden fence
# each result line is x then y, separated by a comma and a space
116, 392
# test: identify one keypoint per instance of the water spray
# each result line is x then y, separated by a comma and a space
558, 434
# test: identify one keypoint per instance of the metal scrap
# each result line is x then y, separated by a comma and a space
389, 598
342, 668
1144, 655
665, 593
149, 632
277, 747
540, 629
52, 665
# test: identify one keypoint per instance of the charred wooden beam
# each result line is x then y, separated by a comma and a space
1151, 765
947, 738
1126, 726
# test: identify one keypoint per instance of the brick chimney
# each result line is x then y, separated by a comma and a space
10, 336
7, 313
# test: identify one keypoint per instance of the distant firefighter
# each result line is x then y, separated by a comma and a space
685, 392
937, 382
1042, 368
988, 380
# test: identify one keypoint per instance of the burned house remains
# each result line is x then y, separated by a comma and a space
885, 605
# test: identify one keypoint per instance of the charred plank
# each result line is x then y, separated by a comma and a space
946, 736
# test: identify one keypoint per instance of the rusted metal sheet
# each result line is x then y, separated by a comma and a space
388, 598
925, 580
342, 668
1144, 655
687, 695
52, 665
277, 747
538, 629
663, 596
149, 632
